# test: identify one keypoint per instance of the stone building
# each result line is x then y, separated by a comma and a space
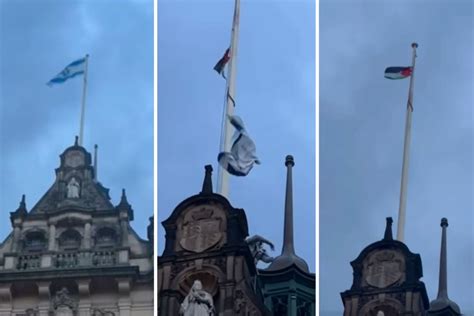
207, 240
74, 253
387, 281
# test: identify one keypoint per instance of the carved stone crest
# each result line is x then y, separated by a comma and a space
383, 268
74, 159
63, 301
201, 230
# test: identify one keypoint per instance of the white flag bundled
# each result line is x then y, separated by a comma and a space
242, 156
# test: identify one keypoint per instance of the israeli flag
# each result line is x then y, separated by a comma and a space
242, 156
75, 68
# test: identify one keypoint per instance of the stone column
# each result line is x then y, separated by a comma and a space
44, 297
124, 302
52, 237
6, 303
87, 236
16, 238
84, 306
124, 230
292, 303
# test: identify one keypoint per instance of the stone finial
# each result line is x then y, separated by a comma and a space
388, 229
96, 150
288, 256
21, 210
207, 183
442, 303
444, 222
76, 141
22, 202
150, 229
123, 198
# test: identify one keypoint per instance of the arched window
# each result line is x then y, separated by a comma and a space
106, 237
70, 240
35, 241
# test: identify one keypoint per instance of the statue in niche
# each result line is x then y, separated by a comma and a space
198, 302
63, 303
100, 312
73, 189
31, 312
259, 253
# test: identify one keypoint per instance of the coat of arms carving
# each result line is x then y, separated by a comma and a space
383, 269
201, 230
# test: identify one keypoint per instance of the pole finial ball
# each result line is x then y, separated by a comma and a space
414, 45
289, 160
444, 222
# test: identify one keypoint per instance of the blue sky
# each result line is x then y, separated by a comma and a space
275, 97
362, 120
37, 122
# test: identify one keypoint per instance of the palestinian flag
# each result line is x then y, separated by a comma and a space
219, 67
398, 72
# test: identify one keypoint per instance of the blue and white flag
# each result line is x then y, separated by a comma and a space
75, 68
242, 156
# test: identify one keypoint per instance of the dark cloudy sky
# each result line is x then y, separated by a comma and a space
362, 120
37, 40
275, 97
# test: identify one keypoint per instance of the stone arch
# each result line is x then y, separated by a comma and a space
70, 239
34, 239
388, 306
209, 275
106, 236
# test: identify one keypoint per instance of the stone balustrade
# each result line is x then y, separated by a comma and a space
28, 262
66, 260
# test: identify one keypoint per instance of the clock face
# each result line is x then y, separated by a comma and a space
74, 159
383, 268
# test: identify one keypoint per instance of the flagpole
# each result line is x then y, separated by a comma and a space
406, 154
223, 175
83, 105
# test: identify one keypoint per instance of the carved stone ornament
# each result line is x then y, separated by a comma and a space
239, 302
383, 268
74, 159
201, 229
101, 312
63, 301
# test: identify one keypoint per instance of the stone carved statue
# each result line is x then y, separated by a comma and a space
100, 312
259, 253
198, 302
73, 189
63, 303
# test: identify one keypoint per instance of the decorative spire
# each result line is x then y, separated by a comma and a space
22, 207
123, 199
207, 183
96, 150
388, 229
288, 256
76, 141
442, 303
21, 211
288, 245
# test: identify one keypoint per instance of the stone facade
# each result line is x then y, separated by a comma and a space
75, 253
205, 240
386, 281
